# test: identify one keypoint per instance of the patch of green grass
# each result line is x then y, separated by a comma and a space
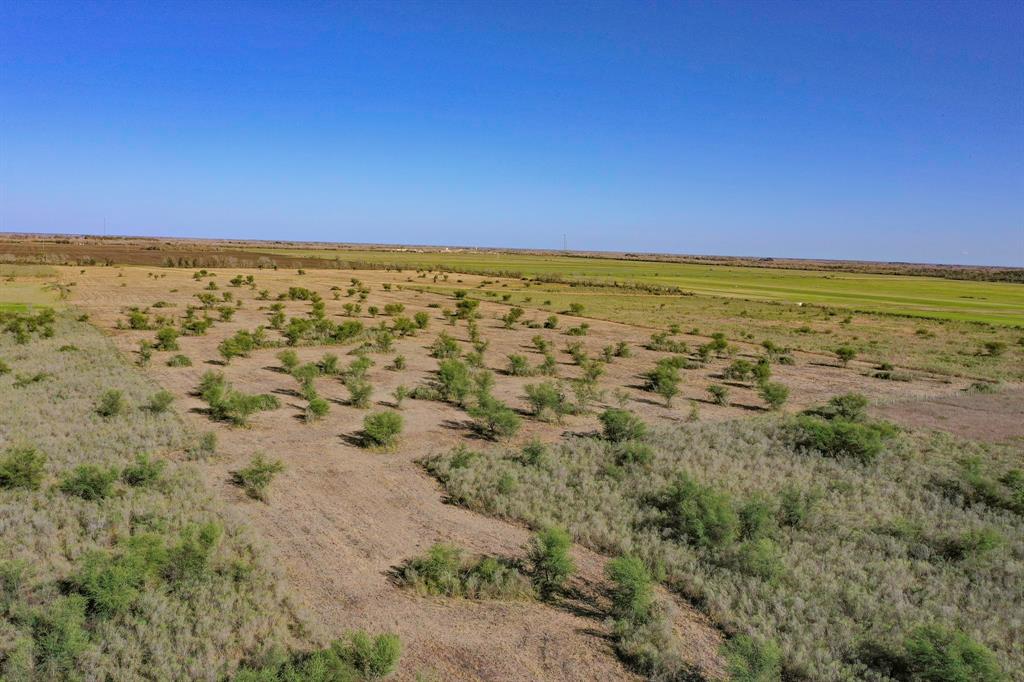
994, 302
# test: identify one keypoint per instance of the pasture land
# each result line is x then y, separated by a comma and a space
994, 302
502, 388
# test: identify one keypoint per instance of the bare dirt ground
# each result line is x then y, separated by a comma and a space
341, 518
994, 417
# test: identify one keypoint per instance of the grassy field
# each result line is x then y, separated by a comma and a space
951, 347
992, 302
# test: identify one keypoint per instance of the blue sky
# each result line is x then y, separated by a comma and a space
886, 131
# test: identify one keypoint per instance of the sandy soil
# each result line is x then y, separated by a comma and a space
994, 417
341, 518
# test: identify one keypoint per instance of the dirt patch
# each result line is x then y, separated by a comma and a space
994, 417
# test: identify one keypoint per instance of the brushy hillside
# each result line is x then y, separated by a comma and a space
115, 563
858, 550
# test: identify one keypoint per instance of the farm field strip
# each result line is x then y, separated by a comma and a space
995, 302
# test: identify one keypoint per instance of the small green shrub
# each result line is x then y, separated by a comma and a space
166, 339
549, 560
374, 657
621, 425
775, 394
255, 479
88, 481
934, 653
454, 381
444, 571
382, 429
632, 452
698, 514
444, 347
632, 589
719, 394
751, 660
317, 408
289, 360
840, 438
494, 419
143, 472
111, 404
160, 402
179, 361
547, 400
845, 354
850, 407
22, 467
60, 635
518, 366
359, 392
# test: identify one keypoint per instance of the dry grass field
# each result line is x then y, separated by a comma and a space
341, 519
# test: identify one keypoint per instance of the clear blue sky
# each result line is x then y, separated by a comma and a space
814, 129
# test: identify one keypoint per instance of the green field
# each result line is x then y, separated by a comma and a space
994, 302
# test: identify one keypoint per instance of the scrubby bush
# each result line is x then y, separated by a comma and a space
936, 653
111, 403
89, 481
773, 393
849, 407
548, 367
632, 589
255, 478
751, 660
382, 429
759, 558
421, 320
840, 438
739, 370
227, 404
22, 467
179, 361
994, 348
698, 514
446, 572
845, 354
359, 392
633, 452
160, 402
316, 409
494, 419
143, 471
167, 339
547, 400
400, 394
518, 366
549, 560
664, 380
444, 347
453, 381
621, 425
719, 394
